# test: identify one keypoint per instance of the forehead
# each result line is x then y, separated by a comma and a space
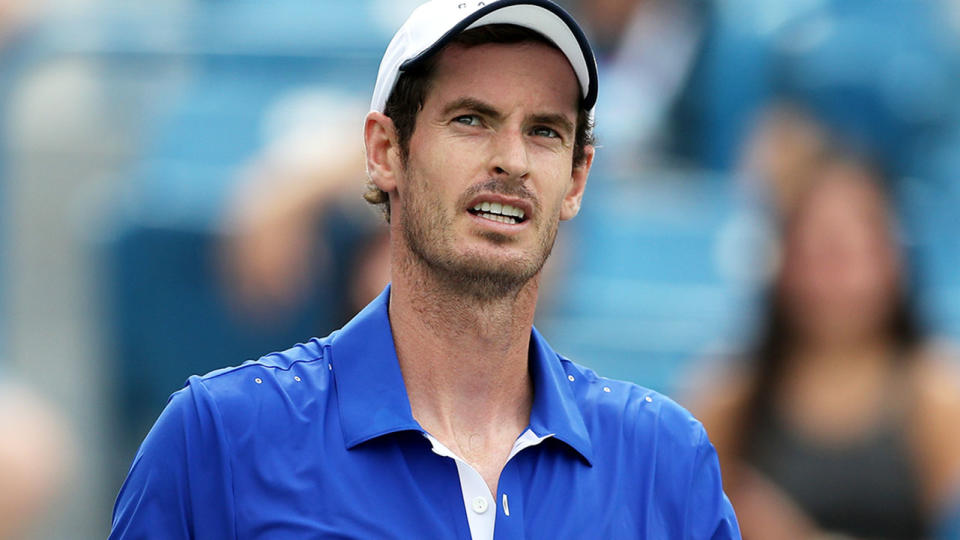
843, 206
527, 73
844, 189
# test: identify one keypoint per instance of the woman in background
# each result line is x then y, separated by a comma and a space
846, 420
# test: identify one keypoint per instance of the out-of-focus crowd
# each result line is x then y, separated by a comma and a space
769, 234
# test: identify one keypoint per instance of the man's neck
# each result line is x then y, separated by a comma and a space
464, 360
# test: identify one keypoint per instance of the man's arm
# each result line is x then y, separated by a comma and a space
709, 514
180, 483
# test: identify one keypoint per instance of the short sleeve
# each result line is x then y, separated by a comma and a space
179, 485
709, 514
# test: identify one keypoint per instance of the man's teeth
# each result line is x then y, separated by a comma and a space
502, 219
503, 213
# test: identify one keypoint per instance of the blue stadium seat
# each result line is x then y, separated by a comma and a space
644, 290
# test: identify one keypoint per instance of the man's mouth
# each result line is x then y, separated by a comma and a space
502, 213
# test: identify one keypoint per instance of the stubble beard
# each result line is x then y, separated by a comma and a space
426, 229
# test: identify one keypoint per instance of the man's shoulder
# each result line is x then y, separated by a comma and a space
290, 376
641, 434
632, 411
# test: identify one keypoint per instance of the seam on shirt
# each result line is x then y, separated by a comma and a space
258, 363
230, 454
693, 472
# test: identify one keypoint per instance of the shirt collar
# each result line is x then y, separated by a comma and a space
555, 409
373, 399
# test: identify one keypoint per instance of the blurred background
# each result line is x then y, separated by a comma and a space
771, 233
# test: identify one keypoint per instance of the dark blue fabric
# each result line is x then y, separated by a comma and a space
319, 441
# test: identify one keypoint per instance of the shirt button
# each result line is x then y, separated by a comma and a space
480, 505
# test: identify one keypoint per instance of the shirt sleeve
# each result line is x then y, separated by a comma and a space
179, 485
709, 514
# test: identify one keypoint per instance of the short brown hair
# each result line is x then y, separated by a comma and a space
410, 93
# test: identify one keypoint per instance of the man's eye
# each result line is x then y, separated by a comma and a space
543, 131
468, 120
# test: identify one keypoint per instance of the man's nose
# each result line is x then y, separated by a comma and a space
510, 157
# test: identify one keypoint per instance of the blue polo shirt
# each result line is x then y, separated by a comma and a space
319, 442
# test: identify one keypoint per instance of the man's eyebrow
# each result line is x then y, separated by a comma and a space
551, 119
472, 104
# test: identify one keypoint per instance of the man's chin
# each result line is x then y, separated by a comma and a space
476, 265
497, 239
488, 277
493, 259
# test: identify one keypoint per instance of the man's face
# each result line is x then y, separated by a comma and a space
490, 170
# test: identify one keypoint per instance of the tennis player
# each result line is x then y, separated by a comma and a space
439, 411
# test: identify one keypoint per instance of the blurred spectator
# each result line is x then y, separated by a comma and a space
682, 79
645, 51
279, 265
782, 154
35, 459
274, 225
844, 418
883, 76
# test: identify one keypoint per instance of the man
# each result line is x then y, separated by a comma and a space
439, 412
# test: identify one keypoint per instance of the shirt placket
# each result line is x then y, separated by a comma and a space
491, 516
509, 517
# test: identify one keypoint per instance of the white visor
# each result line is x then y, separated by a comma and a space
432, 25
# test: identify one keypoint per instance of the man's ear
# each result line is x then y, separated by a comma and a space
571, 201
383, 151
